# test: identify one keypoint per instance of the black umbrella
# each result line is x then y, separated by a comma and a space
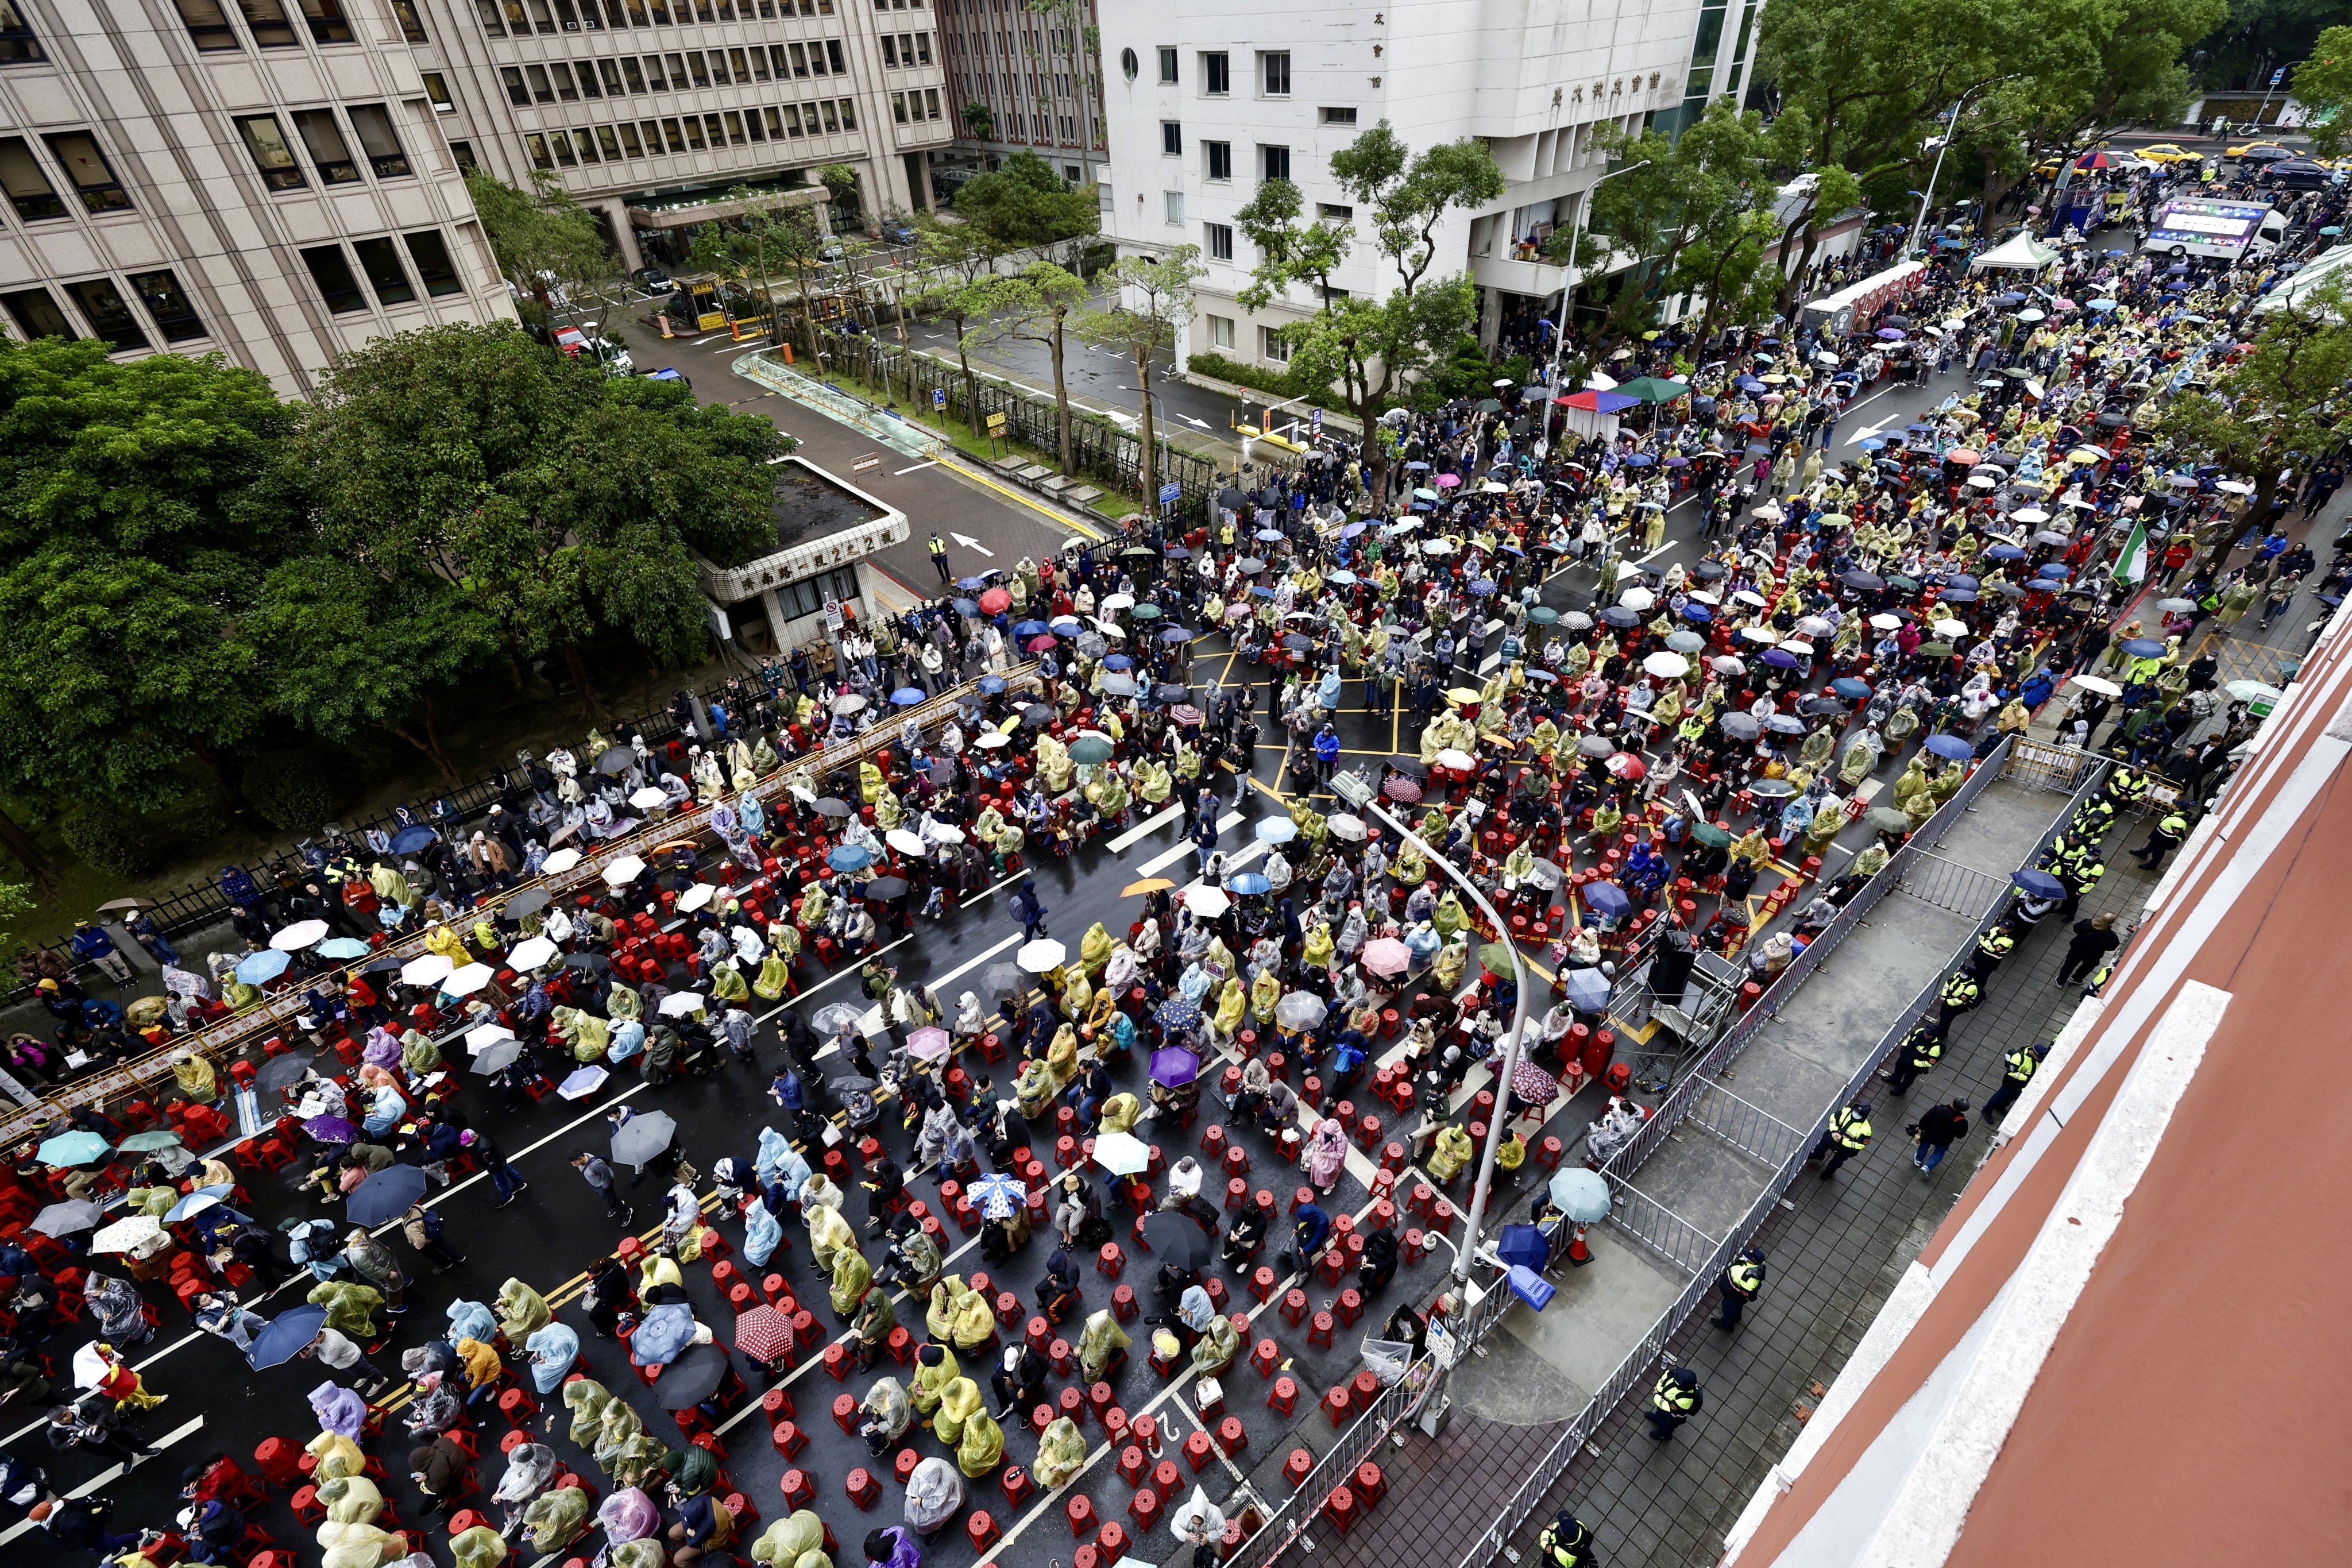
1006, 980
692, 1378
1175, 1239
886, 888
1036, 713
1230, 498
1172, 695
830, 807
1411, 767
618, 760
1296, 644
595, 962
529, 902
384, 966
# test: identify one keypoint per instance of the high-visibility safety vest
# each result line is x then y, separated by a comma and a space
1565, 1548
2021, 1064
1851, 1130
1997, 943
938, 548
2174, 826
1927, 1048
1961, 991
2128, 786
1746, 1278
2086, 874
1672, 1398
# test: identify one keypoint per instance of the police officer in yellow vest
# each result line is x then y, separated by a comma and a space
2017, 1070
1992, 948
1917, 1054
2162, 839
2081, 875
1566, 1544
1739, 1285
2126, 788
1960, 992
1848, 1134
1673, 1401
939, 556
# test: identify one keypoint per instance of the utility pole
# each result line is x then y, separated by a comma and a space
1568, 280
1951, 131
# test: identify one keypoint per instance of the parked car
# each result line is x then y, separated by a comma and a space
651, 278
2169, 152
896, 232
2258, 152
2301, 175
666, 373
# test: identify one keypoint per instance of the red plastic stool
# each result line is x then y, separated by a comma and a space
1265, 1356
863, 1488
1283, 1400
1238, 1191
799, 1488
1112, 1542
1060, 1357
1080, 1511
1367, 1389
776, 1405
1232, 1436
1349, 1307
1301, 1198
1320, 1332
1339, 1405
1297, 1468
1262, 1283
1237, 1160
1131, 1465
1122, 1303
1294, 1307
1370, 1485
1040, 1418
1549, 1152
1145, 1507
903, 1463
1198, 1450
518, 1407
513, 1441
279, 1462
981, 1532
1416, 1245
1340, 1508
307, 1510
837, 1361
1072, 1403
789, 1440
1441, 1218
845, 1413
1018, 1488
1110, 1260
1101, 1399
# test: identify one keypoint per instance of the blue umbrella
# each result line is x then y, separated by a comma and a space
386, 1196
1581, 1194
1780, 658
1619, 615
1481, 586
1851, 687
971, 584
1958, 580
1524, 1246
284, 1337
260, 968
1607, 898
2004, 553
1174, 1066
1959, 596
195, 1203
1353, 530
2099, 304
409, 840
1277, 829
1176, 634
1417, 467
1247, 882
1179, 1013
1271, 535
1950, 747
72, 1149
996, 1194
1640, 460
1065, 626
1030, 629
1587, 989
850, 858
965, 606
1872, 444
331, 1130
1119, 661
1694, 611
2053, 571
343, 947
992, 684
909, 697
2142, 648
1261, 590
2039, 884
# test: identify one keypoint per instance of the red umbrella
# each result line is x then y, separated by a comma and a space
995, 602
763, 1333
1040, 644
1401, 789
1626, 765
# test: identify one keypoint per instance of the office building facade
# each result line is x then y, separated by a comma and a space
1024, 78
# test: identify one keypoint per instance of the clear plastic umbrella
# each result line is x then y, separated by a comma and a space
623, 872
299, 935
1040, 955
429, 970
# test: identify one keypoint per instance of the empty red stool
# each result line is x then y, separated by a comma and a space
1423, 1195
1112, 1542
845, 1413
1349, 1307
1301, 1198
1145, 1507
776, 1405
1340, 1508
1266, 1355
1441, 1218
1262, 1283
1122, 1303
1297, 1468
1131, 1466
1101, 1399
1283, 1400
1232, 1436
1039, 1334
1060, 1357
1549, 1152
1213, 1144
1339, 1405
1237, 1192
307, 1510
902, 1464
1237, 1160
981, 1532
1072, 1403
1198, 1451
1367, 1389
1320, 1332
862, 1487
517, 1407
1110, 1260
1370, 1485
1294, 1307
1368, 1132
775, 1289
1080, 1511
1040, 1418
1018, 1488
789, 1440
279, 1462
1393, 1157
837, 1361
1215, 1289
513, 1441
1416, 1245
799, 1488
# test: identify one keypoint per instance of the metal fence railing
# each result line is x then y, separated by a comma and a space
1745, 1126
2039, 764
1948, 885
1656, 1226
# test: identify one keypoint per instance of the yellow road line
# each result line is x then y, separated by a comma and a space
1031, 502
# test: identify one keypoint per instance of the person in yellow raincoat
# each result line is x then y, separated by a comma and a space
1408, 870
775, 974
440, 939
1264, 991
1053, 763
1062, 1057
870, 783
852, 1278
1319, 948
1829, 820
726, 984
1120, 1112
1214, 1351
522, 1311
829, 1234
935, 1372
586, 1034
1033, 1088
1153, 783
1227, 1022
1061, 1450
1077, 994
1099, 1342
1453, 961
1449, 916
887, 812
814, 903
1094, 950
1451, 1150
959, 1401
981, 1447
193, 1077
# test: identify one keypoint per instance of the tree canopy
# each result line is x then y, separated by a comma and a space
2323, 84
1025, 203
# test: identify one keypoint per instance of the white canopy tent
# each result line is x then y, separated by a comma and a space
2022, 254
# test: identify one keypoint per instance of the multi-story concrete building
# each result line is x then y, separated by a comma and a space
266, 180
1208, 98
650, 111
1026, 76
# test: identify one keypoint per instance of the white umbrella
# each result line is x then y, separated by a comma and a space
1760, 634
1667, 665
1040, 955
1748, 596
467, 981
482, 1037
1437, 547
1343, 826
1117, 602
848, 702
299, 935
2030, 514
1459, 761
1951, 628
678, 1003
1797, 644
562, 861
2235, 487
2105, 687
623, 872
425, 971
1888, 623
1637, 598
1122, 1153
1208, 902
696, 896
530, 952
947, 835
126, 1235
906, 842
649, 797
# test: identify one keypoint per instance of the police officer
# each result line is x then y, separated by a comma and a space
1992, 948
1739, 1284
1673, 1401
1960, 992
2081, 875
2162, 839
2126, 788
939, 556
1917, 1054
1566, 1544
2017, 1070
1848, 1134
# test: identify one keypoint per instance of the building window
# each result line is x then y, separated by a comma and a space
1175, 207
807, 596
206, 23
411, 28
37, 314
87, 167
328, 23
541, 89
329, 152
611, 71
1217, 158
379, 142
899, 107
28, 188
267, 18
848, 115
1338, 116
1331, 213
16, 41
1216, 74
271, 154
1167, 66
631, 73
1274, 73
833, 53
1271, 344
437, 90
735, 137
586, 71
565, 89
1273, 162
700, 70
380, 260
536, 146
431, 254
629, 142
168, 303
1172, 138
1221, 331
331, 271
464, 152
108, 314
1221, 240
694, 133
487, 12
560, 143
611, 144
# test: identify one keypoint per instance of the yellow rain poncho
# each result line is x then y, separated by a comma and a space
982, 1448
828, 1235
1061, 1449
959, 1401
1101, 1339
522, 1311
792, 1541
1094, 950
852, 1278
931, 1382
1451, 1152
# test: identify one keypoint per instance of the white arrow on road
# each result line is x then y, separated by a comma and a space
1201, 424
969, 542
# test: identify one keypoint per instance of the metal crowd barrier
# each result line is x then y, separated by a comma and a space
275, 1013
1745, 1126
1948, 885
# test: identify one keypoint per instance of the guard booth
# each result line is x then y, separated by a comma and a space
696, 306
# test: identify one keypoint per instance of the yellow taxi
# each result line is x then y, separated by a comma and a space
2256, 148
2168, 152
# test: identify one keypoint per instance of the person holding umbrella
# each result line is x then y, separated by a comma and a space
333, 1348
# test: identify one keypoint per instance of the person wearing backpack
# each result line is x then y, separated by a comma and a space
424, 1227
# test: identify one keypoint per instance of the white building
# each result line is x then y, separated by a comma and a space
1206, 98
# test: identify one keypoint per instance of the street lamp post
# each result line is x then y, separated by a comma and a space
1568, 281
1919, 225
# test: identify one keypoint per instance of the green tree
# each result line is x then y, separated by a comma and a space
766, 242
141, 504
1371, 347
2323, 84
565, 504
959, 287
548, 246
1026, 205
2272, 409
840, 181
1034, 306
16, 903
979, 121
1151, 304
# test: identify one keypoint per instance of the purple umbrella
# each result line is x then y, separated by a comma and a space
1174, 1066
1780, 658
1605, 898
331, 1130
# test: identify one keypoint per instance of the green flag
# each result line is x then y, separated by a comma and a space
2131, 566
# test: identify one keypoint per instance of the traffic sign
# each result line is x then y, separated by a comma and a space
1318, 422
2278, 76
1170, 491
996, 424
939, 398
